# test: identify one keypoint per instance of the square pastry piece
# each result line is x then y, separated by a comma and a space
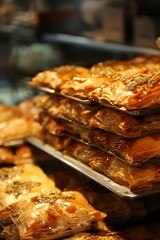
52, 215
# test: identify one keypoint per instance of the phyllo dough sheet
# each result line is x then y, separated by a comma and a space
18, 123
22, 182
99, 117
128, 85
57, 77
49, 216
135, 178
144, 178
120, 211
133, 151
97, 236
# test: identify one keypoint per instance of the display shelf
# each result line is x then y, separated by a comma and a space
94, 44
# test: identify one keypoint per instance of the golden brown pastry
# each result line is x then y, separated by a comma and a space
140, 178
28, 154
20, 155
55, 78
131, 150
8, 112
132, 84
28, 108
9, 175
60, 143
128, 85
24, 155
136, 178
49, 216
19, 183
120, 211
19, 122
18, 129
23, 189
98, 236
6, 156
99, 117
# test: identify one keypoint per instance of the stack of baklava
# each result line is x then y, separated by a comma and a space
107, 117
51, 204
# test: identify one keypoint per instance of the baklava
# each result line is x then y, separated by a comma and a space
52, 215
99, 117
127, 85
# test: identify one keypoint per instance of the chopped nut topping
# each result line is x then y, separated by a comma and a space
17, 188
52, 197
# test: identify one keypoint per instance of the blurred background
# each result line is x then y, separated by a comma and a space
41, 34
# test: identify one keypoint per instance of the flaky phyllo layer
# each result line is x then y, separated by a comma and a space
18, 123
99, 117
133, 150
50, 215
22, 182
128, 85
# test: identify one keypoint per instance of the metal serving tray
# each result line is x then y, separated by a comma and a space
103, 180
